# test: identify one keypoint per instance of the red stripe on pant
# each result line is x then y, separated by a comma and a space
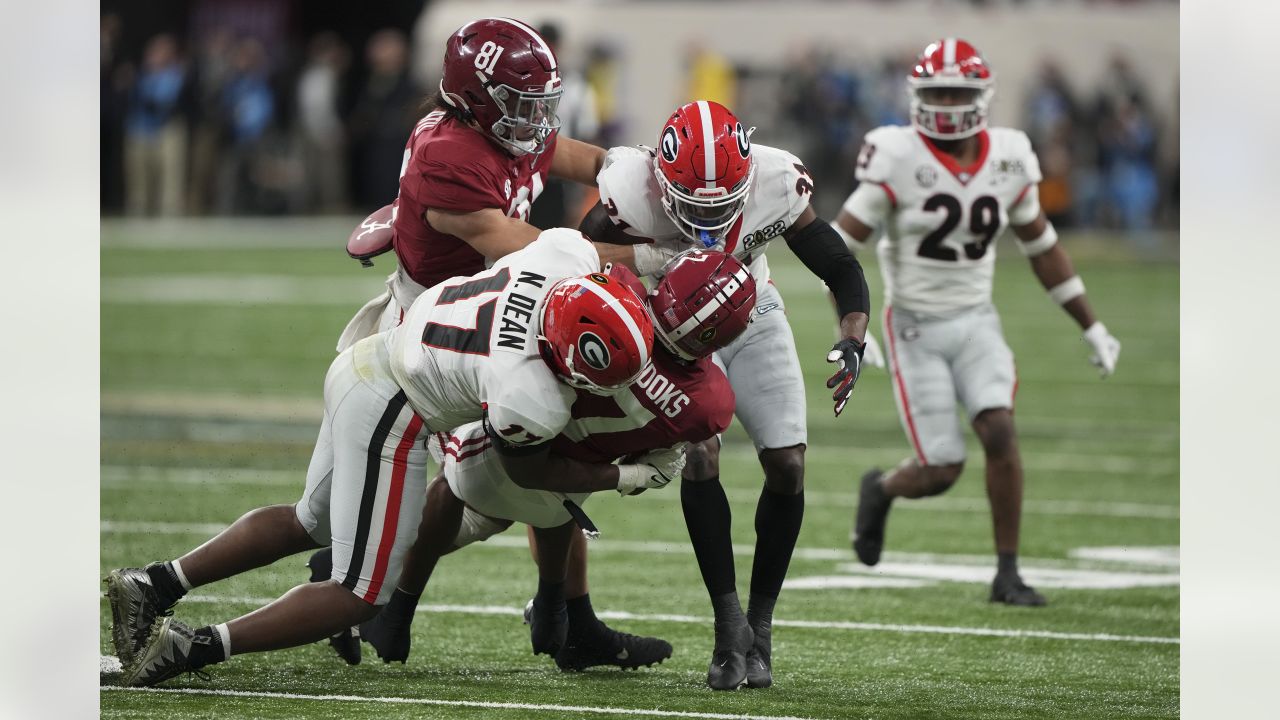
901, 386
392, 517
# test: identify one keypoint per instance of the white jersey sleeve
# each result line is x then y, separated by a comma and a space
1027, 206
631, 197
565, 251
528, 407
783, 188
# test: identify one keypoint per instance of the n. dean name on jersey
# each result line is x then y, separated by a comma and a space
517, 312
668, 396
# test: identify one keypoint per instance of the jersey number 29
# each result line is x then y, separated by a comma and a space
984, 222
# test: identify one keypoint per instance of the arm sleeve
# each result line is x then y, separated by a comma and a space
821, 250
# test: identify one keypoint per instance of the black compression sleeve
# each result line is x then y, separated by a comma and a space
821, 250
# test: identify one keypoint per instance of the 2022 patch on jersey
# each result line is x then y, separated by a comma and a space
781, 192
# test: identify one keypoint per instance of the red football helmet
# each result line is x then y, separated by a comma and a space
702, 303
595, 333
500, 72
950, 67
703, 165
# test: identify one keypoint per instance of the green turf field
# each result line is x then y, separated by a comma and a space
215, 340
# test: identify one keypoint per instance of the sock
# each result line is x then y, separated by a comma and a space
760, 617
727, 607
707, 515
1006, 563
169, 586
550, 595
401, 606
582, 617
210, 644
778, 519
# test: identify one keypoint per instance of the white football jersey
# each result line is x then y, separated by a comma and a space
937, 251
780, 193
470, 344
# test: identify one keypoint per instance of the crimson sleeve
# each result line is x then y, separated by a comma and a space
453, 186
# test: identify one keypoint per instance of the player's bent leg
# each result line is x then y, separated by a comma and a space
876, 492
346, 642
139, 595
305, 614
779, 514
995, 430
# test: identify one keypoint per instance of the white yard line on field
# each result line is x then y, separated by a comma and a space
781, 622
241, 289
454, 703
126, 475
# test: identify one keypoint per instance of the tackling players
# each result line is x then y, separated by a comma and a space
707, 186
506, 346
943, 190
703, 302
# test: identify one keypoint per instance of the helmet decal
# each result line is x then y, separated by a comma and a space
593, 350
744, 140
670, 144
598, 278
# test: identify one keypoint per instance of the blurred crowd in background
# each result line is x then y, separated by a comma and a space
253, 107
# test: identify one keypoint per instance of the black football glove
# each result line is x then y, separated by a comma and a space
848, 353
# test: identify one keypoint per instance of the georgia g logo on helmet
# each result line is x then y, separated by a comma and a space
670, 144
593, 350
744, 140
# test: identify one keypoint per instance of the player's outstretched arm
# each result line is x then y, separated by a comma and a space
489, 231
822, 250
616, 245
577, 161
1053, 268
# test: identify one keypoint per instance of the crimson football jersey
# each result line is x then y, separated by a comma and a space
449, 166
669, 403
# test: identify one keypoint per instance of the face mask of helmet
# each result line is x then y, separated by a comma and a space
703, 217
528, 119
949, 112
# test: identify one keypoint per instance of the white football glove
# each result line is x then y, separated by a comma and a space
872, 354
654, 469
1106, 349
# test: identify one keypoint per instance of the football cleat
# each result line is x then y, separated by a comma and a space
347, 645
728, 669
166, 655
611, 647
135, 604
1010, 590
869, 522
760, 659
389, 637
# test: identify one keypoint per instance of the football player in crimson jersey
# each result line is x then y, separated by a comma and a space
703, 302
943, 190
563, 325
472, 167
707, 185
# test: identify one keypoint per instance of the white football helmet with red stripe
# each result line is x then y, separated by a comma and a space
702, 303
945, 68
595, 333
703, 166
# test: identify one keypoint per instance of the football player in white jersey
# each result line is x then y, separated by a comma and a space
942, 191
707, 186
506, 346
